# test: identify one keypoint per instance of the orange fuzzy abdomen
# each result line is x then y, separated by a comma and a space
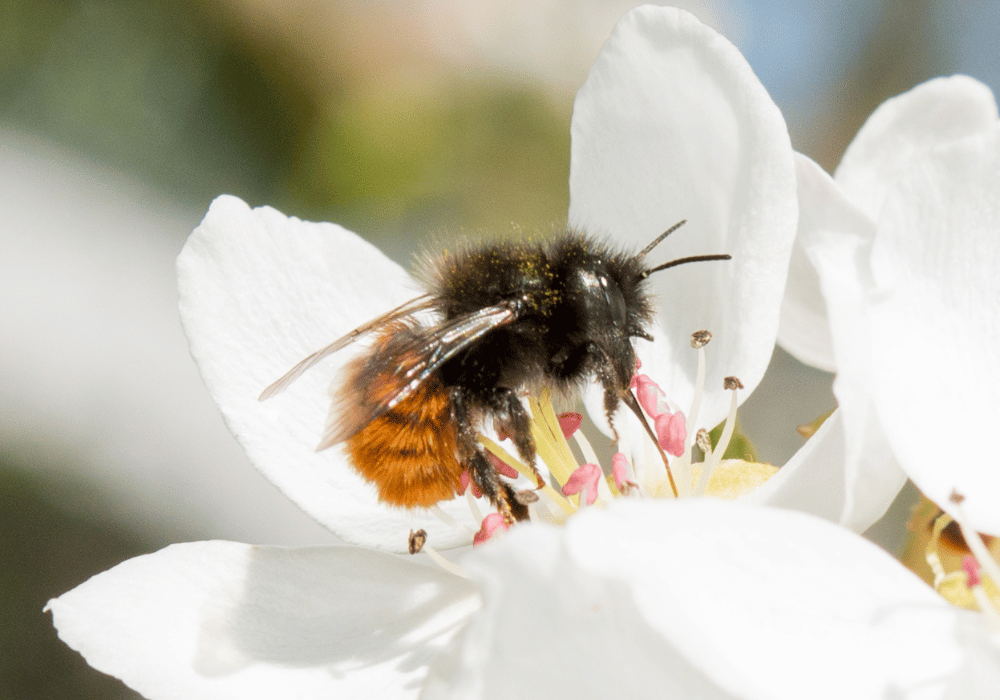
408, 452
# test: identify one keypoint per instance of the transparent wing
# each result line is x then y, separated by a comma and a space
431, 350
421, 303
405, 363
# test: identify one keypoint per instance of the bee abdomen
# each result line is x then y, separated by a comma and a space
409, 452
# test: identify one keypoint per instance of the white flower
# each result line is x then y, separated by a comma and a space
700, 599
894, 284
737, 602
671, 124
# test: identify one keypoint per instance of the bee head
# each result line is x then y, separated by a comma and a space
610, 307
629, 309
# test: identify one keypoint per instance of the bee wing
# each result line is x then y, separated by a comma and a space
411, 363
421, 303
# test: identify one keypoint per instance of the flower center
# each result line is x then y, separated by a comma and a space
643, 469
973, 583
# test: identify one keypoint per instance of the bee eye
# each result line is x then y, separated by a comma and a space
603, 296
616, 303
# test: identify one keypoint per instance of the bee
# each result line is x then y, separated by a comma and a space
511, 317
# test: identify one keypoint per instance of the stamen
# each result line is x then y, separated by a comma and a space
649, 394
951, 586
704, 441
931, 553
495, 449
585, 447
493, 525
975, 584
506, 457
650, 401
569, 423
714, 458
551, 421
448, 520
418, 543
473, 506
469, 486
971, 570
699, 339
620, 472
732, 383
450, 567
671, 432
525, 497
417, 540
632, 404
501, 466
973, 541
584, 481
539, 512
545, 429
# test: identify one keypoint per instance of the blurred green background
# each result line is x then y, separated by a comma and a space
399, 120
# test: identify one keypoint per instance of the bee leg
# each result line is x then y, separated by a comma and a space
500, 493
481, 470
513, 420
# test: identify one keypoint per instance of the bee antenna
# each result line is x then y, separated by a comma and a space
684, 261
660, 238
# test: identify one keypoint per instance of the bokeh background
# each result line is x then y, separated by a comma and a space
120, 122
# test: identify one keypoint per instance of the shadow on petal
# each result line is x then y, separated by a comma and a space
334, 609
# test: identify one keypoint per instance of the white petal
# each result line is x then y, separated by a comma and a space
260, 291
823, 209
979, 677
905, 127
850, 483
698, 599
872, 475
225, 620
812, 481
935, 321
673, 124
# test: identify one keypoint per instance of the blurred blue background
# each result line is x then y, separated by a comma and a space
120, 122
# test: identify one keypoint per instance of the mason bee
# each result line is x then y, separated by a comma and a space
511, 316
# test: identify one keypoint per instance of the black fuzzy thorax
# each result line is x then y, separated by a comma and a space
581, 303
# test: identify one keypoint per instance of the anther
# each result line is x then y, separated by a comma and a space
526, 497
703, 440
700, 339
671, 432
619, 470
714, 458
417, 540
583, 481
975, 585
569, 423
492, 525
971, 568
